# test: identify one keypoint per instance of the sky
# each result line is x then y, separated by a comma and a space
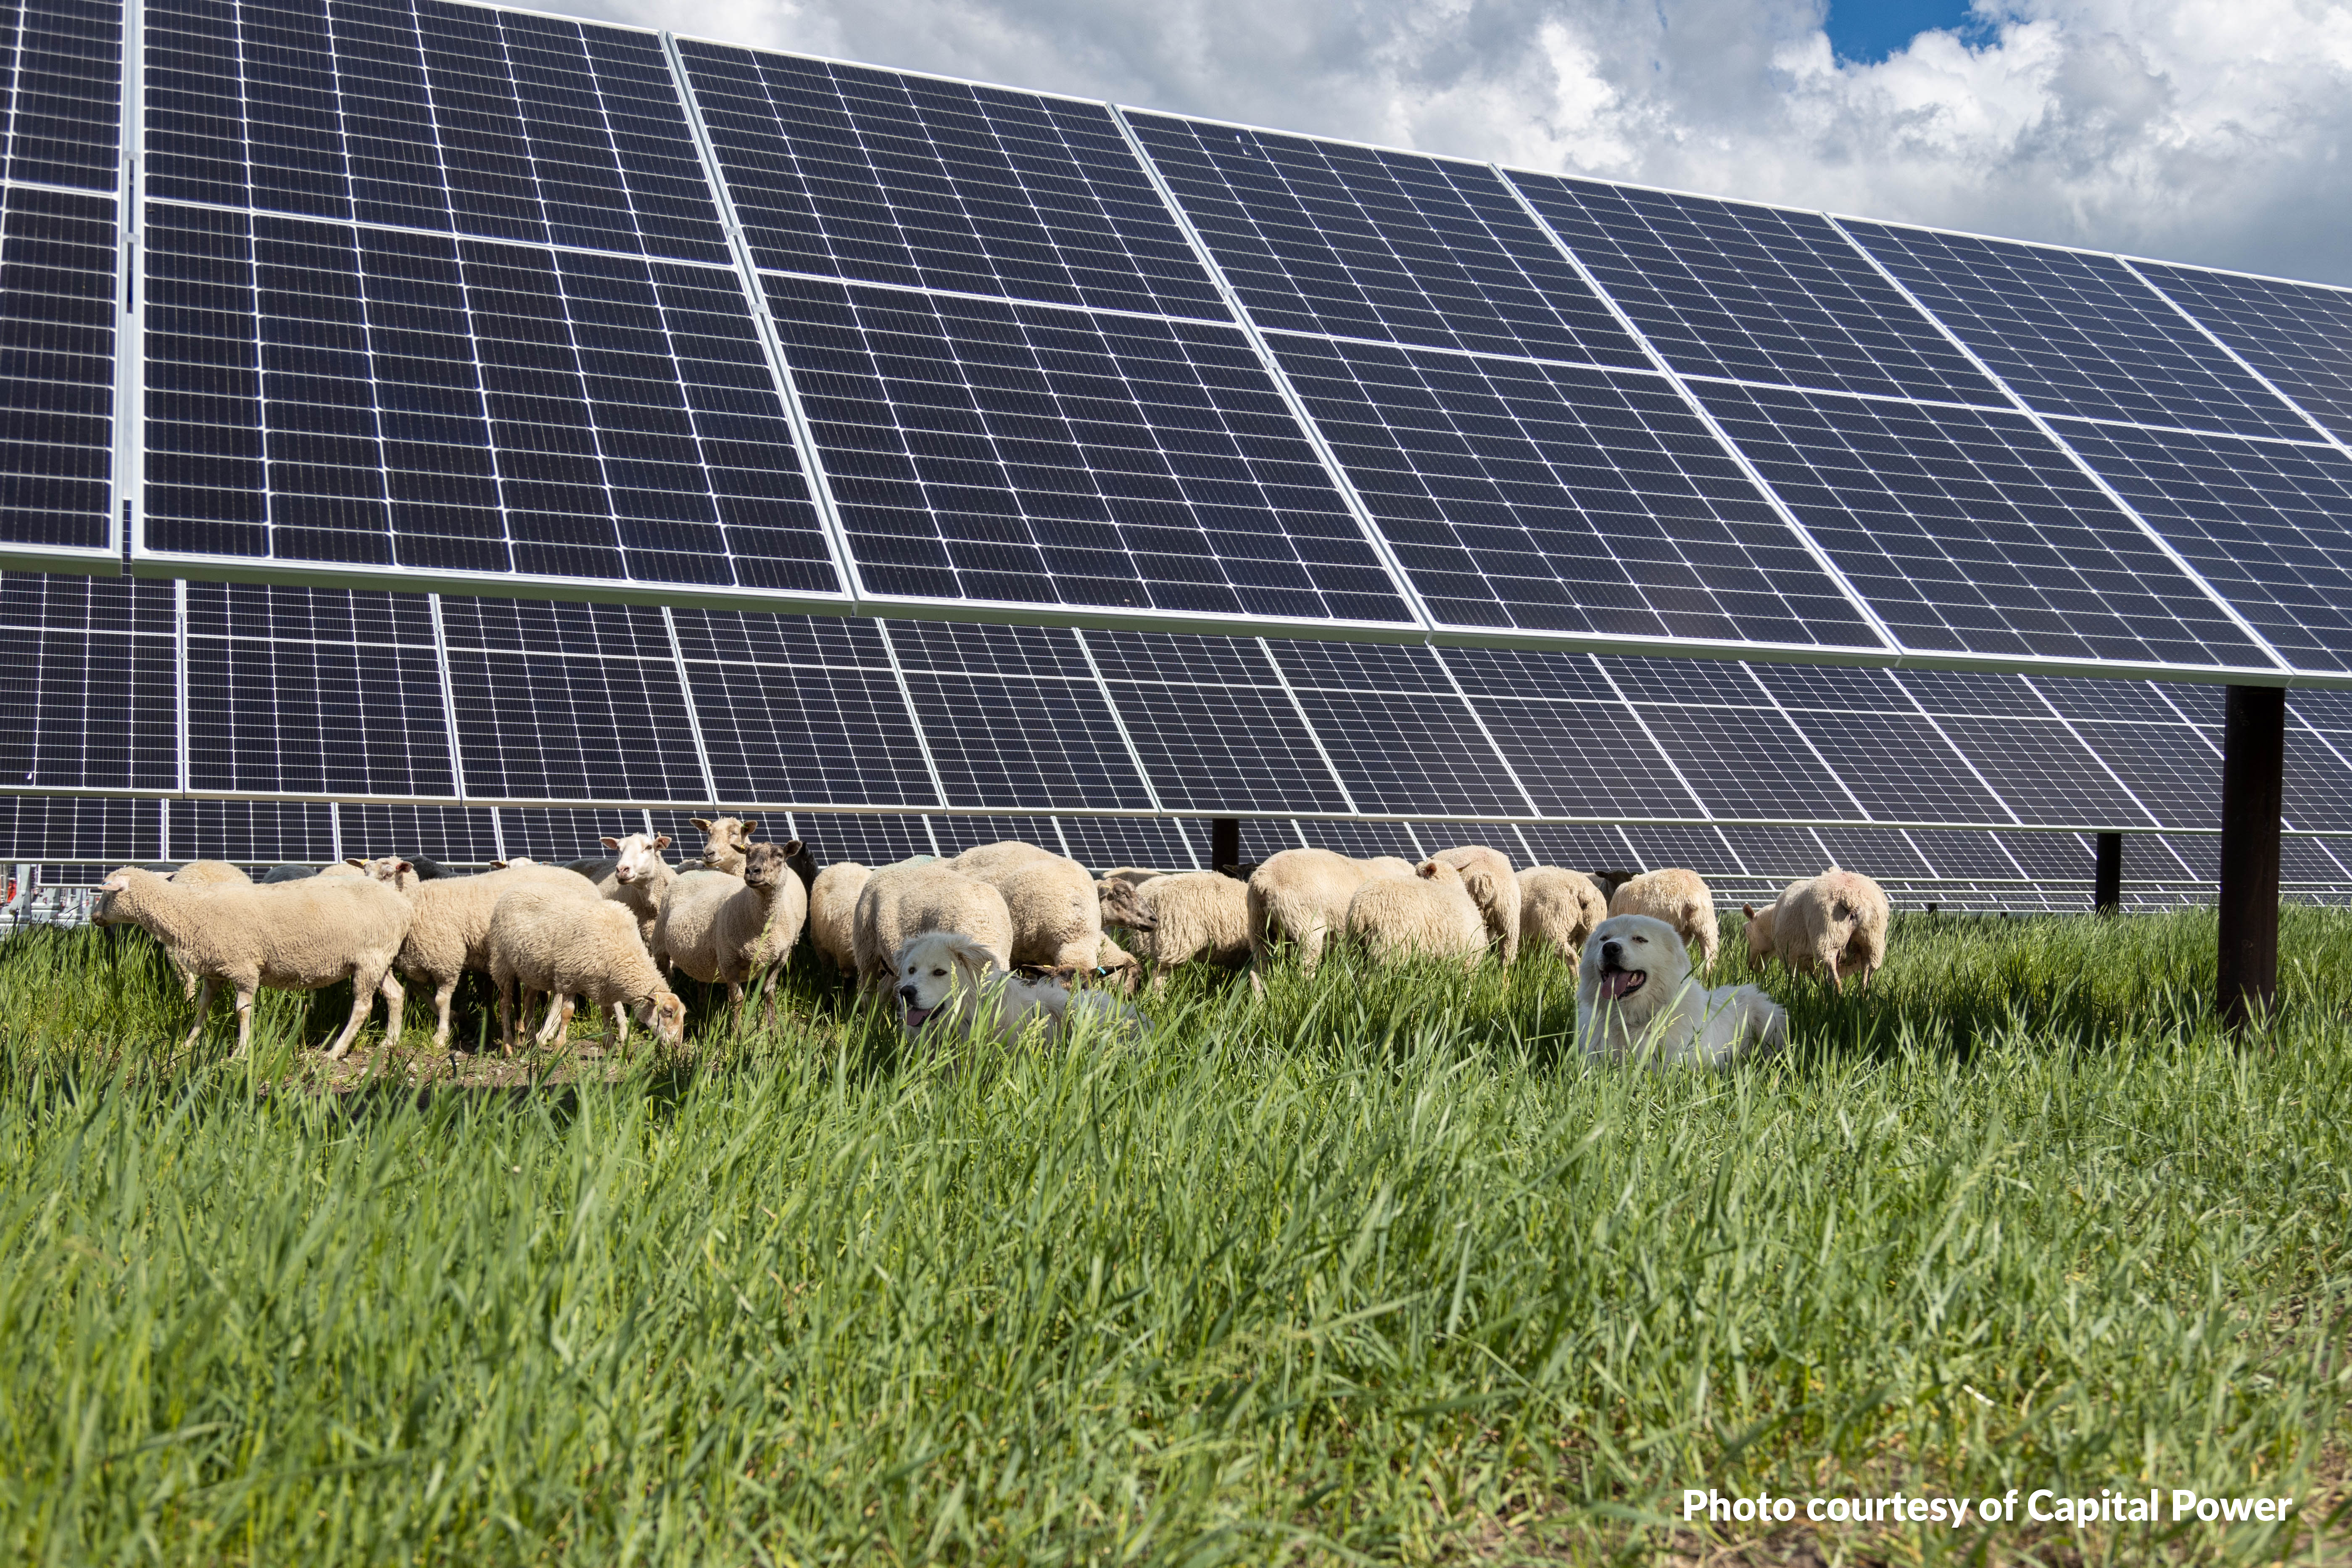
2216, 132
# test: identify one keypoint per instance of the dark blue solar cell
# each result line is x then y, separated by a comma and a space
2268, 524
1563, 499
1319, 236
92, 699
1969, 531
1104, 842
87, 828
1576, 748
981, 450
846, 171
61, 95
427, 115
1212, 724
292, 691
869, 839
57, 310
1399, 736
2297, 334
1754, 293
374, 399
253, 832
2076, 334
450, 833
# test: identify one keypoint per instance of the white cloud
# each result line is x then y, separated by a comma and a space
2211, 131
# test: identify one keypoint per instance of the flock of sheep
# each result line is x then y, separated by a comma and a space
1009, 922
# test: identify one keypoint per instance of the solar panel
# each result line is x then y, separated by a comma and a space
1700, 850
1102, 843
1213, 725
91, 704
1968, 857
868, 840
83, 827
956, 834
2263, 521
1562, 498
446, 118
1967, 531
253, 832
2319, 780
302, 691
556, 700
61, 96
844, 171
1777, 854
1013, 716
388, 401
985, 450
2291, 332
1345, 241
451, 834
1874, 852
1584, 849
1571, 742
1399, 735
1357, 840
556, 836
801, 708
2041, 770
2072, 333
1744, 761
1754, 293
57, 310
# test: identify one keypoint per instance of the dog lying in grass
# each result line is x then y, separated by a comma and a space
950, 989
1636, 1001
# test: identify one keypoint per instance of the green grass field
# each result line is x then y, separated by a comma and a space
1367, 1270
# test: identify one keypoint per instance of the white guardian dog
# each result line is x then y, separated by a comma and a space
1636, 1001
951, 988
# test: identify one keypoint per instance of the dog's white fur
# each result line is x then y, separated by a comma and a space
950, 987
1666, 1018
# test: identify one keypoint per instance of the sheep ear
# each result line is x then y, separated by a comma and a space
1748, 910
750, 825
403, 869
354, 860
661, 841
792, 846
701, 822
114, 884
609, 842
969, 954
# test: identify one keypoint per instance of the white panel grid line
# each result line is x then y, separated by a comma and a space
448, 701
129, 497
180, 678
335, 831
2050, 433
1119, 722
1265, 652
915, 722
1699, 411
763, 326
1309, 429
693, 718
498, 833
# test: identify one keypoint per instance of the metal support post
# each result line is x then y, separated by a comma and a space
2253, 758
2107, 876
1224, 844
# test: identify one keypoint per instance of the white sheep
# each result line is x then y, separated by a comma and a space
901, 902
833, 913
194, 874
718, 928
1428, 915
1835, 924
636, 876
1180, 918
547, 938
1494, 886
1135, 875
1056, 918
1303, 895
1680, 899
726, 840
450, 931
1558, 909
1759, 930
293, 936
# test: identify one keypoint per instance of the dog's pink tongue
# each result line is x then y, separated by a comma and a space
1615, 983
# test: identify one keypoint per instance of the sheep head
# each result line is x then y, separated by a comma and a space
1122, 905
763, 866
635, 855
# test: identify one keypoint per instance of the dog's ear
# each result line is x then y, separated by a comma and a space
970, 956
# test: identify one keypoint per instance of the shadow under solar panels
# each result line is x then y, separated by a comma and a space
1969, 531
2293, 334
425, 115
1754, 293
844, 170
389, 402
1347, 241
979, 449
2074, 332
57, 310
1550, 498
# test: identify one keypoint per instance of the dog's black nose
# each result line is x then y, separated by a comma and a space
1613, 953
906, 993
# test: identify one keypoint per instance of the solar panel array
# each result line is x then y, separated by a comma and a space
347, 301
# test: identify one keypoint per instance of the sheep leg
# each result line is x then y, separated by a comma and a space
506, 1016
243, 1021
558, 1017
363, 998
442, 996
203, 1006
735, 1000
617, 1018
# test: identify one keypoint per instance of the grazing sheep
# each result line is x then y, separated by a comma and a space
1135, 875
635, 877
299, 937
1559, 909
1761, 923
1495, 888
1180, 918
950, 987
833, 913
194, 874
901, 902
1430, 914
450, 932
1303, 895
726, 841
544, 937
1682, 900
1056, 918
719, 928
1835, 924
986, 861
